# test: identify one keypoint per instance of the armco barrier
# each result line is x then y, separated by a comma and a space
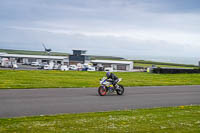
174, 70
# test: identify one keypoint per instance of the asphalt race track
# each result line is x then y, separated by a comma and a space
29, 102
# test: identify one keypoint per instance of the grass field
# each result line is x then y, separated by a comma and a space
145, 64
58, 79
168, 66
182, 119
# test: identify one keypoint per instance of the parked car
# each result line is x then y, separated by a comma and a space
41, 66
47, 67
35, 64
91, 69
64, 68
73, 67
50, 66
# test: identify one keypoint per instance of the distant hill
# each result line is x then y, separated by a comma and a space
26, 52
94, 57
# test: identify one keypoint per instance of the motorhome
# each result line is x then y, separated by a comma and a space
5, 62
8, 63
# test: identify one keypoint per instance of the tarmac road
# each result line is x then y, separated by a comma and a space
29, 102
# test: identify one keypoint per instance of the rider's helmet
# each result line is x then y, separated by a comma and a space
108, 74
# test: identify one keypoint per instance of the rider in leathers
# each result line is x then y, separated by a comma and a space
112, 78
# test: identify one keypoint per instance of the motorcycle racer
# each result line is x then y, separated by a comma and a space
110, 84
112, 78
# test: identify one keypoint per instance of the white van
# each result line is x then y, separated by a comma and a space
35, 64
108, 69
64, 68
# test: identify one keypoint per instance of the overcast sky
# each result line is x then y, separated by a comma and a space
103, 27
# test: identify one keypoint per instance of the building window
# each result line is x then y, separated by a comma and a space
121, 67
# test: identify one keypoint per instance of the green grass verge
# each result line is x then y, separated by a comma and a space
59, 79
145, 64
182, 119
161, 63
168, 66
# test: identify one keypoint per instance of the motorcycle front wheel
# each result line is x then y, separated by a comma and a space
120, 90
102, 91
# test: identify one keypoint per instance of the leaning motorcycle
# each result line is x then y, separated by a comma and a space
107, 87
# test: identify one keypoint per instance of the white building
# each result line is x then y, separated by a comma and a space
64, 60
116, 65
28, 59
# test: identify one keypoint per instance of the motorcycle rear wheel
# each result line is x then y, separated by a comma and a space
120, 90
102, 91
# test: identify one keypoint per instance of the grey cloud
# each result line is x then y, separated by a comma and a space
112, 27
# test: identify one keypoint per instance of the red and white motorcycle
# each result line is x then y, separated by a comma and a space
106, 86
